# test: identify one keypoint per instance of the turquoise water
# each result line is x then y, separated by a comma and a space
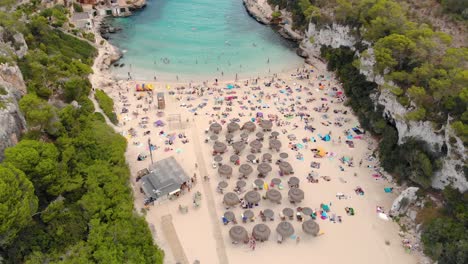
197, 40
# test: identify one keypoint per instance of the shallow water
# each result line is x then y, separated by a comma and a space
197, 40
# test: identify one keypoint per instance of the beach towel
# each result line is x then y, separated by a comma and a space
357, 131
388, 189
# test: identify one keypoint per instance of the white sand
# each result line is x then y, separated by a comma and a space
358, 239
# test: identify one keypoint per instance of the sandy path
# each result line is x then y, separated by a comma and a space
220, 247
173, 239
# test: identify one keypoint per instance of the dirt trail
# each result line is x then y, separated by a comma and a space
174, 242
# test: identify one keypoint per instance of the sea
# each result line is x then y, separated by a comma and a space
199, 40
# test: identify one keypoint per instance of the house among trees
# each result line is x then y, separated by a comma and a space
165, 179
82, 20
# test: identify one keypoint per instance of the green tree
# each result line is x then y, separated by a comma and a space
18, 203
38, 161
393, 51
38, 113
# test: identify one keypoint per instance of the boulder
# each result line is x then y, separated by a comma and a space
403, 201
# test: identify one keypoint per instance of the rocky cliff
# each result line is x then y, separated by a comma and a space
12, 123
452, 172
12, 87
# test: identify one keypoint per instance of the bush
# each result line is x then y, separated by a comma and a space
3, 90
276, 15
107, 105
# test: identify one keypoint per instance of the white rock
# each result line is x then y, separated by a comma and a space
409, 195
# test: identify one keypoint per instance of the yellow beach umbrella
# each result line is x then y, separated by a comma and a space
321, 152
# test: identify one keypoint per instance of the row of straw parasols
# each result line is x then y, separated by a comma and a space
295, 195
245, 169
262, 232
233, 126
248, 126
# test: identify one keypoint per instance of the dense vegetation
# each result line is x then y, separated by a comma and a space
107, 105
64, 189
457, 7
446, 237
427, 76
409, 161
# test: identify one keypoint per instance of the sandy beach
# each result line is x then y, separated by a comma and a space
200, 233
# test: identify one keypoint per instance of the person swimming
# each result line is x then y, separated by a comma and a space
227, 43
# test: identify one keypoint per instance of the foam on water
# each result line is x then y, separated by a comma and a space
199, 39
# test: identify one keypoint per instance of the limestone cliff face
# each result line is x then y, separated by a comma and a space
337, 35
12, 123
12, 87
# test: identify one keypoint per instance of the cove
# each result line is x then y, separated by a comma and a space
199, 40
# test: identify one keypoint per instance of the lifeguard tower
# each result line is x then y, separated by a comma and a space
161, 101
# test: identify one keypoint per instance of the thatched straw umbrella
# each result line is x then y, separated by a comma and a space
259, 183
256, 145
276, 181
293, 182
288, 212
249, 126
307, 211
274, 134
248, 214
251, 157
296, 195
219, 147
266, 124
239, 234
311, 227
222, 184
269, 214
260, 136
225, 170
244, 136
264, 168
252, 197
245, 170
229, 137
285, 229
238, 146
229, 215
230, 199
274, 195
283, 155
261, 232
232, 127
241, 184
285, 167
215, 128
233, 158
218, 158
267, 157
214, 137
275, 144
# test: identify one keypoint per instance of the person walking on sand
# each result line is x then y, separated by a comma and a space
298, 239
